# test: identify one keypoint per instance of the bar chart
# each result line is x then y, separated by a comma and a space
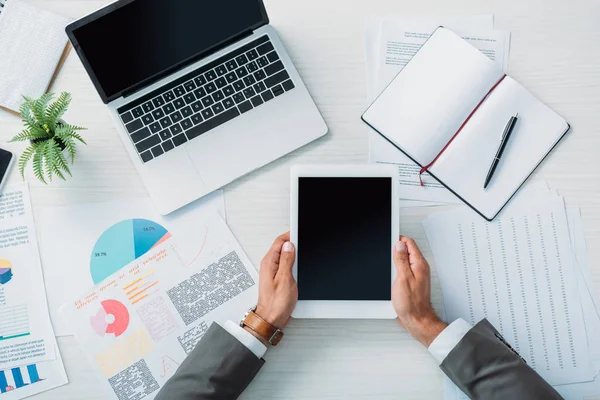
15, 378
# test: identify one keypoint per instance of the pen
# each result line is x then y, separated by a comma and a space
505, 137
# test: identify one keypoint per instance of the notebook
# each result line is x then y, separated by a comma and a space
33, 46
447, 110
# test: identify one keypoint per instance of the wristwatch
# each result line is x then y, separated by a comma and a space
261, 327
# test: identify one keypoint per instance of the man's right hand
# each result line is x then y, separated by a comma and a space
411, 293
277, 288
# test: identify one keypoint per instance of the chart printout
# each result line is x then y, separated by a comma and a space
138, 325
26, 335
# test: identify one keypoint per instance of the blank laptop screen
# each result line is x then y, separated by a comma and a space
147, 37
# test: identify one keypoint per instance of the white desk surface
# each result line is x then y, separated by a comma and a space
555, 53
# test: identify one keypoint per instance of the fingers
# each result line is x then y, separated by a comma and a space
401, 260
286, 261
271, 261
275, 252
418, 263
413, 250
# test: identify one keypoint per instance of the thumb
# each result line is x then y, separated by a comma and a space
401, 260
287, 258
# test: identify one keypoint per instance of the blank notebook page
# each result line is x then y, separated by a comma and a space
32, 42
464, 165
427, 102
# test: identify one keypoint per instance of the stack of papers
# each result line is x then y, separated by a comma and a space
139, 290
139, 324
528, 274
390, 44
108, 236
30, 361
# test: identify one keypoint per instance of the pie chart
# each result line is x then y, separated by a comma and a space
123, 243
5, 271
111, 318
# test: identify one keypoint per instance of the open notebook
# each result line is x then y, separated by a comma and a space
447, 83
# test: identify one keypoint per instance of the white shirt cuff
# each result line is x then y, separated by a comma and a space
448, 339
246, 338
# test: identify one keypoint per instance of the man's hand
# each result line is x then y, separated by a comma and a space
277, 288
411, 293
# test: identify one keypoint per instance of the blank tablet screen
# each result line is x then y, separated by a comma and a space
344, 238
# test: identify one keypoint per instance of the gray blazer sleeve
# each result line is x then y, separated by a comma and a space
484, 366
220, 367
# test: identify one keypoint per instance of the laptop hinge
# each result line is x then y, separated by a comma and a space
150, 81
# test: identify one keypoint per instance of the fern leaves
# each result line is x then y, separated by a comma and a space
55, 161
27, 136
57, 109
48, 135
24, 159
38, 163
38, 108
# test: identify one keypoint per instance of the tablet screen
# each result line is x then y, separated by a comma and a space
344, 231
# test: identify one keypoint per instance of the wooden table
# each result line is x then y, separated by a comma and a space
555, 53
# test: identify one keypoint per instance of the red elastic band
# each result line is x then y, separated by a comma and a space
425, 168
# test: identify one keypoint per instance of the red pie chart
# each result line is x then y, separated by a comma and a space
111, 318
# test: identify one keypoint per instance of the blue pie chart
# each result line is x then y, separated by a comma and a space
123, 243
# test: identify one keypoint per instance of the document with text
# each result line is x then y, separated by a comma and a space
26, 334
139, 324
519, 272
110, 236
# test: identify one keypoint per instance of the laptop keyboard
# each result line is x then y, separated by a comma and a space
205, 98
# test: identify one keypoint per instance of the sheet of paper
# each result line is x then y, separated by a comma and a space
81, 245
26, 334
577, 391
585, 390
373, 35
20, 382
399, 44
396, 43
138, 325
519, 272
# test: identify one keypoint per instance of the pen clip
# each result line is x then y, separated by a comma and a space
512, 120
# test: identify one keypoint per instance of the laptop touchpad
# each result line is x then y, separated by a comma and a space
228, 152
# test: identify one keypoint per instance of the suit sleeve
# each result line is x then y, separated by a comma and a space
220, 367
484, 366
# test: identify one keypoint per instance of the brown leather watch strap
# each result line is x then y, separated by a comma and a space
262, 328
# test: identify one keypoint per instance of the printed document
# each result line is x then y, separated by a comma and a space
519, 272
138, 325
590, 315
27, 380
26, 335
110, 236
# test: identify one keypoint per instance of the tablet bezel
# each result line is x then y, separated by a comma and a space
355, 309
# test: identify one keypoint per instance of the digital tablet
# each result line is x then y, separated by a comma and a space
344, 223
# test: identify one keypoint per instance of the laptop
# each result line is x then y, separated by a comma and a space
201, 92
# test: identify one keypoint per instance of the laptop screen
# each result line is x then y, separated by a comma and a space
122, 46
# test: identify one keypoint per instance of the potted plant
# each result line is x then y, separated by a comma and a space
49, 137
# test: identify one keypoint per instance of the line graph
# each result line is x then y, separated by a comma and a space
169, 366
201, 248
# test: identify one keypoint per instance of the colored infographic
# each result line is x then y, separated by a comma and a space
111, 318
5, 271
122, 243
